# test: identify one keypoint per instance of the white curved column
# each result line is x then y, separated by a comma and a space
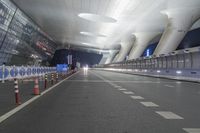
179, 22
141, 42
111, 56
126, 45
115, 57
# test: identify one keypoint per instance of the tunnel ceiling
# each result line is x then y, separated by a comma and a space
99, 24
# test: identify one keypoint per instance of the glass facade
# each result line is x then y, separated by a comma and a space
22, 42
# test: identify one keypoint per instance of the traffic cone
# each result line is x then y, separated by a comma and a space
45, 81
16, 87
57, 77
52, 79
36, 90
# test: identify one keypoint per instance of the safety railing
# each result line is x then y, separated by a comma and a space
20, 72
183, 63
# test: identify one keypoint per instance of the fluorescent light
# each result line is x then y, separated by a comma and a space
97, 18
92, 34
158, 71
178, 72
89, 44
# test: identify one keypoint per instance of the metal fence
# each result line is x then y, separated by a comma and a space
179, 61
179, 65
10, 72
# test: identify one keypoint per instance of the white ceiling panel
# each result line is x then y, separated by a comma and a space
59, 18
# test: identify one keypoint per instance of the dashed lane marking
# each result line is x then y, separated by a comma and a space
18, 108
122, 89
169, 115
128, 92
116, 86
137, 97
149, 104
170, 86
192, 130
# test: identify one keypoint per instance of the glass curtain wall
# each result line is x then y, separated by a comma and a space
22, 42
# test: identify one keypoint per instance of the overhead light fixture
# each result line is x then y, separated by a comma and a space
92, 34
97, 18
89, 44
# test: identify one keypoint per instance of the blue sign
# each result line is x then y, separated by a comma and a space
38, 70
62, 67
28, 71
22, 71
34, 70
13, 72
6, 73
148, 52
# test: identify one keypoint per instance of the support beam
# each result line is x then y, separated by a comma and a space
142, 40
126, 45
115, 58
112, 55
179, 22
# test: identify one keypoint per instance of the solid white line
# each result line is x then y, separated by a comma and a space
170, 86
137, 97
18, 108
149, 104
192, 130
169, 115
128, 92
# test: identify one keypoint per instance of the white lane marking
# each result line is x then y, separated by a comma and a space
116, 86
18, 108
122, 89
111, 84
149, 104
178, 82
170, 86
119, 81
128, 92
137, 97
169, 115
192, 130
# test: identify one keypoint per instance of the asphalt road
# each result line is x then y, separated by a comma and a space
109, 102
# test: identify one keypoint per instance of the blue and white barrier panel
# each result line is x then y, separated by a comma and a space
20, 72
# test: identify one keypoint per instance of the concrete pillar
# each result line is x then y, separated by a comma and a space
111, 56
142, 40
126, 45
179, 22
